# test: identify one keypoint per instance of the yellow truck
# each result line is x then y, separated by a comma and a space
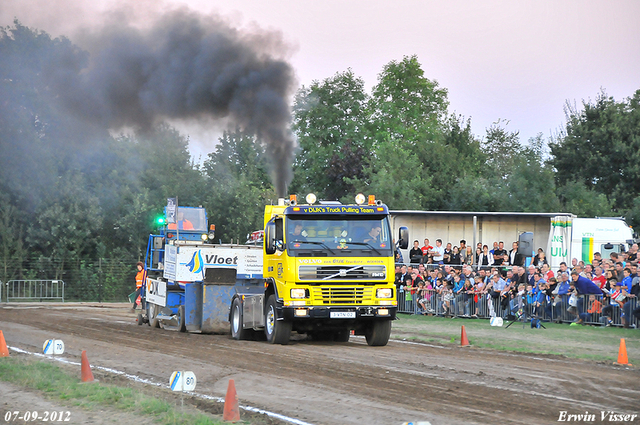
328, 270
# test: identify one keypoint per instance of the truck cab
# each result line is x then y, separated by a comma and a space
328, 270
189, 224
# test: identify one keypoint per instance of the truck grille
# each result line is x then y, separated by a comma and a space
342, 272
344, 295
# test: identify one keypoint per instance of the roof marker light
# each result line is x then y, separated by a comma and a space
311, 199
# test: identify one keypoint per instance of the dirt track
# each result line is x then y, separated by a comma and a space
329, 383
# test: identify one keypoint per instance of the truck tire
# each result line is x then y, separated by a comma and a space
277, 331
377, 334
342, 335
182, 320
153, 313
237, 320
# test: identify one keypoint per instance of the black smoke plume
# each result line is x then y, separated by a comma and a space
183, 66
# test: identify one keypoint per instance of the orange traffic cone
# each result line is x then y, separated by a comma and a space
87, 375
4, 351
622, 354
231, 409
463, 338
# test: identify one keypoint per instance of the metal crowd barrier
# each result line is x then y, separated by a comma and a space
557, 309
35, 290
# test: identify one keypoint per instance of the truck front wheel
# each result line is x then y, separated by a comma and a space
277, 331
378, 332
342, 335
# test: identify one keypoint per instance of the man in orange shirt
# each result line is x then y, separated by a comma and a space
141, 276
182, 222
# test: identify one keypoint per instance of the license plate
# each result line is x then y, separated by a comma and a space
342, 315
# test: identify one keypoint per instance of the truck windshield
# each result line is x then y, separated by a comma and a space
191, 219
340, 236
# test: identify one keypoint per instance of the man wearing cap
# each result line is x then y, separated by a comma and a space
583, 286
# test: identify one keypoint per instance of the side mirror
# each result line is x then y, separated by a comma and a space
525, 244
270, 238
403, 240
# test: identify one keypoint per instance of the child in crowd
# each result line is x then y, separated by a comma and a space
447, 299
595, 306
516, 303
468, 296
616, 300
532, 296
420, 300
428, 293
478, 291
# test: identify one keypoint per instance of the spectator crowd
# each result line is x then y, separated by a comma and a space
456, 281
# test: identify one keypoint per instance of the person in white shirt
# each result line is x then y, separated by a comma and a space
438, 252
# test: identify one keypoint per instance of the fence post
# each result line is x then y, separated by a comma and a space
100, 280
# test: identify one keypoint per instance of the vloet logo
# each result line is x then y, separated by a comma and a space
195, 265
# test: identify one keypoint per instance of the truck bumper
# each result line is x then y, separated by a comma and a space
337, 314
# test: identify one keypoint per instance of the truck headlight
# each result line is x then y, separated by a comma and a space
384, 293
298, 293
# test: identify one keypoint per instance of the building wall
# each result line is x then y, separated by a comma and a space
452, 228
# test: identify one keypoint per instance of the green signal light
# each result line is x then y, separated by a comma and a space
160, 220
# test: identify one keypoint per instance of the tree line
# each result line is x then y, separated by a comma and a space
77, 202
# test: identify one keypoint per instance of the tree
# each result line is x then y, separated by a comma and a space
582, 201
134, 224
393, 176
67, 223
600, 149
238, 185
330, 119
516, 175
38, 140
413, 136
237, 155
502, 149
12, 249
530, 186
406, 106
460, 141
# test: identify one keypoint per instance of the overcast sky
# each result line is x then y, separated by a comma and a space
513, 60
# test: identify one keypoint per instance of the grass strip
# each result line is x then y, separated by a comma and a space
593, 343
57, 384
